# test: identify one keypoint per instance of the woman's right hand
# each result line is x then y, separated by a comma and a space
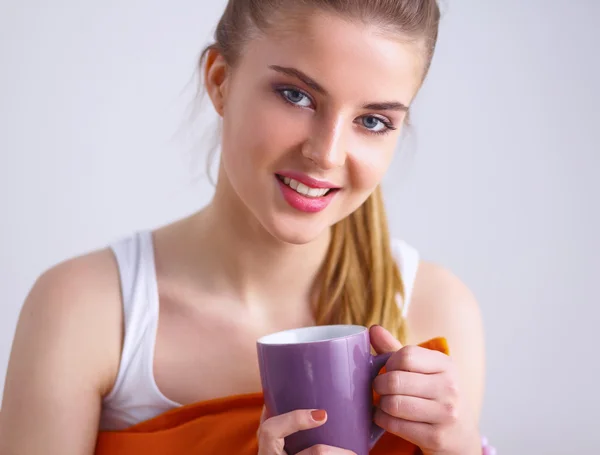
273, 430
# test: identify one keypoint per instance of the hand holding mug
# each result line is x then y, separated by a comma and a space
273, 431
420, 399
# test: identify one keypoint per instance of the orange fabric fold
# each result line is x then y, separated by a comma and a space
217, 427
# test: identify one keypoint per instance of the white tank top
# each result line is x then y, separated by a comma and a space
135, 396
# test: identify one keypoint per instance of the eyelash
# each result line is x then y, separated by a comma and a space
280, 90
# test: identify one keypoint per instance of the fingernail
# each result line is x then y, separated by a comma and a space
319, 415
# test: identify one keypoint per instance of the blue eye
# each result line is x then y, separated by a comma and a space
296, 97
376, 125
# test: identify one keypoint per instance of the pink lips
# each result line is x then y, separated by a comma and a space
305, 203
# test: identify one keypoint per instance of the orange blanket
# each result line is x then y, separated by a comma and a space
217, 427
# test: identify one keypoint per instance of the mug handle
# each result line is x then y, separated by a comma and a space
377, 363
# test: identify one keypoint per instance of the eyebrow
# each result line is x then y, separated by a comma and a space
300, 75
310, 82
387, 106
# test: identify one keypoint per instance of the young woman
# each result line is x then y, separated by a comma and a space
313, 96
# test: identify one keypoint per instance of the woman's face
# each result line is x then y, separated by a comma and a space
311, 118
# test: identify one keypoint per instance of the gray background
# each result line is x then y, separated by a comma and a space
496, 180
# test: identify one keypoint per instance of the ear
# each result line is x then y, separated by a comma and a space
216, 72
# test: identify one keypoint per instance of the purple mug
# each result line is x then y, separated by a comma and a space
323, 367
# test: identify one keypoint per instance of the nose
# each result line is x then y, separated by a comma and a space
327, 146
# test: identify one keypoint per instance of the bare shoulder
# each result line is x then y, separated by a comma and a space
79, 302
92, 275
64, 357
442, 305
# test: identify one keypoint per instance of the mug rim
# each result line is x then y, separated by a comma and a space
353, 330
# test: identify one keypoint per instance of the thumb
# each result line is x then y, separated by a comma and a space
383, 341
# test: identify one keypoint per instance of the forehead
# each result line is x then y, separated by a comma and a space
350, 59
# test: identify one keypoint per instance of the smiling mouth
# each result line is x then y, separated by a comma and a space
303, 189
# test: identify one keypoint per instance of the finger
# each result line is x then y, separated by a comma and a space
274, 429
418, 360
419, 433
264, 415
382, 340
413, 409
407, 383
325, 450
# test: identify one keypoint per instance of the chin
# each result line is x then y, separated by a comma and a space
295, 230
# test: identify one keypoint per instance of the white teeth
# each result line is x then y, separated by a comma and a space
316, 192
301, 188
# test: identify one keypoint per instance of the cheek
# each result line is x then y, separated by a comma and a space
369, 163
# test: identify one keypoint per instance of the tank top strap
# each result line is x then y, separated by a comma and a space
135, 396
408, 259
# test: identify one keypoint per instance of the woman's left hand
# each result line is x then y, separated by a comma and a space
421, 401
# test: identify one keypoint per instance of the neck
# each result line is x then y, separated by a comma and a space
251, 264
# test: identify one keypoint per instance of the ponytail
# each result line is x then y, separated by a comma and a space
360, 280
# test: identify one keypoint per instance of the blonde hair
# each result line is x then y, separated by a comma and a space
360, 279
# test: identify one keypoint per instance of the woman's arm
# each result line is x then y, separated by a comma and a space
444, 306
428, 398
65, 356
